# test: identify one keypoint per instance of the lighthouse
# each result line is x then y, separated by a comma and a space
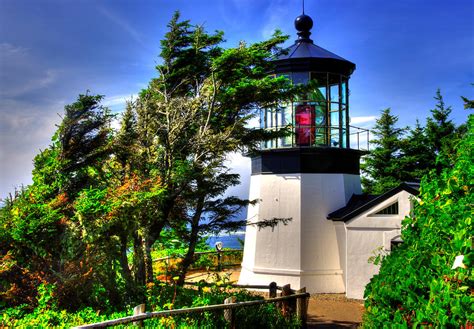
304, 176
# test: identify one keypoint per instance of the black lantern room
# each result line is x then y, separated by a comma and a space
319, 120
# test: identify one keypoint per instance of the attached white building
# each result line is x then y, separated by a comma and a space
368, 225
313, 177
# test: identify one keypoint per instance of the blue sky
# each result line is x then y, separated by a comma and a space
52, 50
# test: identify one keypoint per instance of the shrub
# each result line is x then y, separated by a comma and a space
417, 284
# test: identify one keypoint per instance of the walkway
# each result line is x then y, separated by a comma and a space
324, 310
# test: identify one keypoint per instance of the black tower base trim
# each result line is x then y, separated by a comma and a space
307, 161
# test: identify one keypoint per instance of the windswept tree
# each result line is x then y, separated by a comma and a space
42, 238
192, 116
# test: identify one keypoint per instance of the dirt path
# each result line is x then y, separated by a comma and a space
334, 311
324, 310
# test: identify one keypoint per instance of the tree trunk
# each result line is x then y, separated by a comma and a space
123, 259
151, 238
193, 239
138, 260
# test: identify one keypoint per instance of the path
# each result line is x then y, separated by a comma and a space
334, 311
324, 310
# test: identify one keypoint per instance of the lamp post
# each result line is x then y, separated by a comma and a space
219, 246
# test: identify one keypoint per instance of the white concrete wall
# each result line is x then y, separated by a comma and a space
366, 236
306, 251
273, 254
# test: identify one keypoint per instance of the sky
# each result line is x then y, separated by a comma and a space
53, 50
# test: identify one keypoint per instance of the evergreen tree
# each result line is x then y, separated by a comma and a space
416, 154
84, 137
192, 116
381, 167
440, 130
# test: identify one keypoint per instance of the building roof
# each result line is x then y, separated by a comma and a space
304, 55
306, 49
359, 203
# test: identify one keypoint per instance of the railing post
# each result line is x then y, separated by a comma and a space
229, 313
137, 310
272, 290
302, 307
288, 306
368, 140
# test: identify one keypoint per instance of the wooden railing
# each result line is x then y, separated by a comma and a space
222, 259
290, 302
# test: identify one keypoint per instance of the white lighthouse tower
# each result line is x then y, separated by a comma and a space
304, 176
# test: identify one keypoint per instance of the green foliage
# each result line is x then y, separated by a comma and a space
381, 166
160, 296
416, 160
417, 284
439, 128
408, 154
84, 136
100, 201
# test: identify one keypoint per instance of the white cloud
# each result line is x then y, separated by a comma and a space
118, 100
276, 17
24, 130
363, 120
7, 50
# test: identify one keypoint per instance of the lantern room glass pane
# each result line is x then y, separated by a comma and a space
300, 77
320, 120
335, 137
344, 138
344, 92
304, 124
334, 93
320, 90
334, 116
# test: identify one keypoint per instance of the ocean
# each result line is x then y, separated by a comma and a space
228, 240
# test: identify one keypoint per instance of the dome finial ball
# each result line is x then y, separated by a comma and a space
303, 23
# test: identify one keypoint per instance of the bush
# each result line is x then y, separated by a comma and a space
417, 284
160, 296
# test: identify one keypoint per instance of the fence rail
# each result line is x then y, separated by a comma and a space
227, 251
288, 295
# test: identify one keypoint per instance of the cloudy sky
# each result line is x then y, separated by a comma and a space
52, 50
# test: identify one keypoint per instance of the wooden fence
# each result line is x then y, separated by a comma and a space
222, 258
290, 302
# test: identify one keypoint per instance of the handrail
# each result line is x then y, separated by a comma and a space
150, 315
199, 253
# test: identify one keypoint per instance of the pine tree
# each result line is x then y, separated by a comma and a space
381, 167
440, 130
416, 154
84, 137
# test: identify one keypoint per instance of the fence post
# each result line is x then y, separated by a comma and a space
273, 290
137, 310
229, 313
302, 307
288, 306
